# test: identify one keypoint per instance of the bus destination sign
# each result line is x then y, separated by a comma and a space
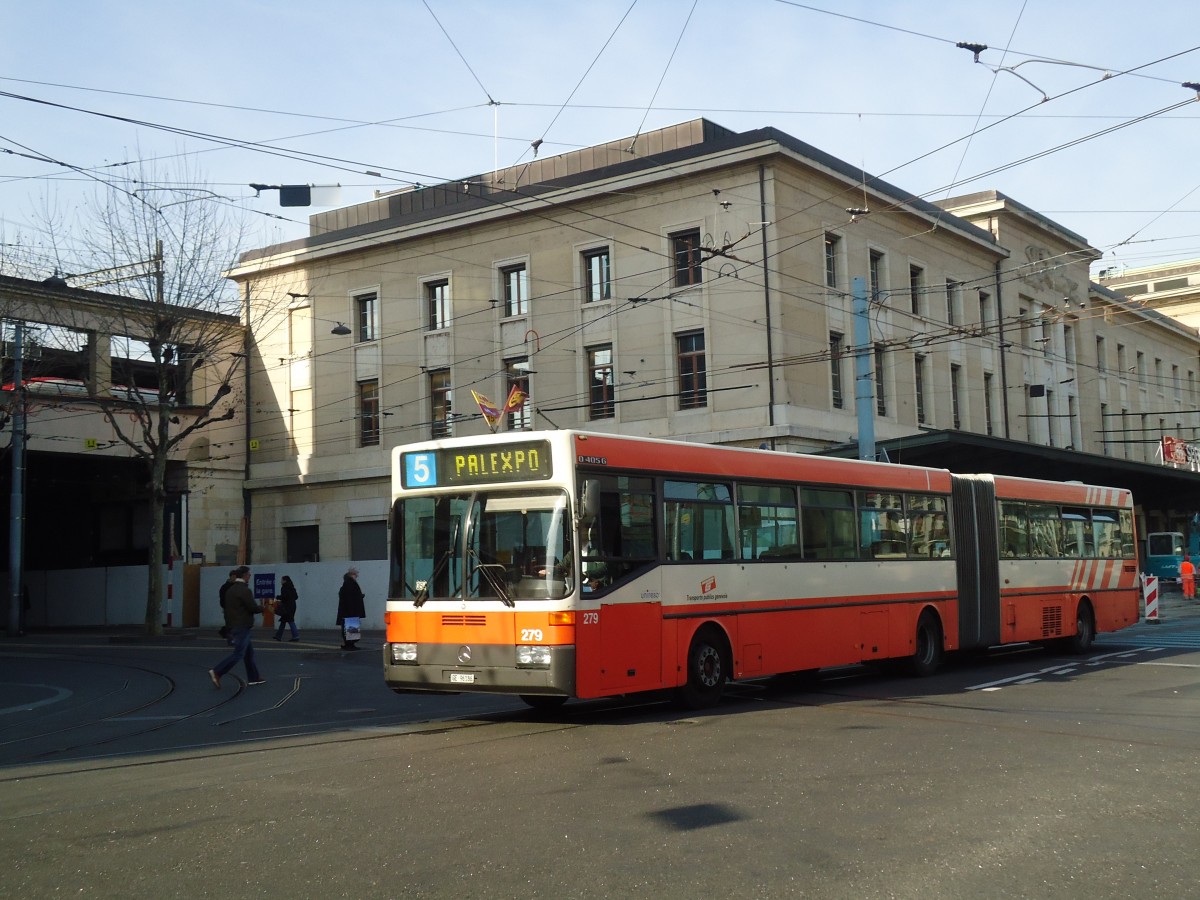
529, 461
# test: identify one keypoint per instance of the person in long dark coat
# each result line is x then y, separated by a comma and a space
287, 608
350, 604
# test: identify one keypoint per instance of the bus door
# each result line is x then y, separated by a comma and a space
619, 624
977, 549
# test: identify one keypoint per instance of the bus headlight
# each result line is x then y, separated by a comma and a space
531, 656
404, 653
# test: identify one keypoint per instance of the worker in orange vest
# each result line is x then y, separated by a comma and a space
1187, 572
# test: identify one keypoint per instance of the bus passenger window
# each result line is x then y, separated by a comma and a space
1014, 530
698, 517
768, 521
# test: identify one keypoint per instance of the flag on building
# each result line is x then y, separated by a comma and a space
491, 413
516, 399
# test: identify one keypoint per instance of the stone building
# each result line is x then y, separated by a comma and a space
696, 283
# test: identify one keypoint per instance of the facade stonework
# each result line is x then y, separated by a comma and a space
699, 288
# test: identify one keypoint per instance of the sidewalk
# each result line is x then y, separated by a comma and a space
1171, 605
310, 639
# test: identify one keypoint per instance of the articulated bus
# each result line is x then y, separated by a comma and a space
562, 564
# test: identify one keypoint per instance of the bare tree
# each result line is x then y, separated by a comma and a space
163, 352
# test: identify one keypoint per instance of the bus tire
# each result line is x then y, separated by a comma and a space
543, 702
927, 652
707, 670
1085, 629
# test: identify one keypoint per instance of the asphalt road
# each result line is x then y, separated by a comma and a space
1020, 773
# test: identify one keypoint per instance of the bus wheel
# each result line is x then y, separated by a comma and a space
928, 653
1085, 630
543, 702
706, 671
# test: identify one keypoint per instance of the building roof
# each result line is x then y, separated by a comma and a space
660, 149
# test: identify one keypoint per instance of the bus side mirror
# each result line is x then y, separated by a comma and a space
589, 503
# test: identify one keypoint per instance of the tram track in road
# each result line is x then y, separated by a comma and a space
115, 717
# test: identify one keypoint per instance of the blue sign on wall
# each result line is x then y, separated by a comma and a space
264, 586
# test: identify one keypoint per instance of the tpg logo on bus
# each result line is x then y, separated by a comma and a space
708, 585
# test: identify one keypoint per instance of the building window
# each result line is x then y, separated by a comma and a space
597, 276
365, 309
1069, 344
440, 403
1122, 361
916, 288
985, 313
836, 353
693, 372
517, 376
955, 401
368, 413
832, 244
685, 247
880, 392
515, 282
437, 304
368, 540
1104, 448
302, 543
987, 402
952, 300
875, 270
1101, 355
601, 401
919, 378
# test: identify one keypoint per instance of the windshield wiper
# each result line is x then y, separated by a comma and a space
495, 574
423, 594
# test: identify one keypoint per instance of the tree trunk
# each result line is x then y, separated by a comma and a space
154, 589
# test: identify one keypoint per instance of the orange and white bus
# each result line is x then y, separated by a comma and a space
564, 564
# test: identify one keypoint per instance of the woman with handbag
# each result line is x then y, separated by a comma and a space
286, 610
351, 610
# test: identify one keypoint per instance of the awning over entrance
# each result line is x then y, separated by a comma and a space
1156, 488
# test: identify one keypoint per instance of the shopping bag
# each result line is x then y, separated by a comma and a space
352, 628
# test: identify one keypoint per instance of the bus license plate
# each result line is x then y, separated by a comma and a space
462, 677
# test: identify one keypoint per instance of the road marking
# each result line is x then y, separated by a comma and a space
58, 693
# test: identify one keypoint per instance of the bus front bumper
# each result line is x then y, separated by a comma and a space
446, 668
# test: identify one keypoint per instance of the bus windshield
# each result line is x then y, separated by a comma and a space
484, 544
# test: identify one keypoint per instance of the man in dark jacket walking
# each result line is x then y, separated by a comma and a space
240, 610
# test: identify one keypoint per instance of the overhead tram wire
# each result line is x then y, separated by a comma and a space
932, 37
538, 141
662, 78
975, 129
245, 145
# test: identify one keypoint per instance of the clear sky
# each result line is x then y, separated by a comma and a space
329, 92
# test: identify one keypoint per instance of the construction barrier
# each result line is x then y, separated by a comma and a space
1150, 592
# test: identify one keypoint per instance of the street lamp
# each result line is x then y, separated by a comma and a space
340, 330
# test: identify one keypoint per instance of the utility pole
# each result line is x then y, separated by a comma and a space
16, 526
864, 395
